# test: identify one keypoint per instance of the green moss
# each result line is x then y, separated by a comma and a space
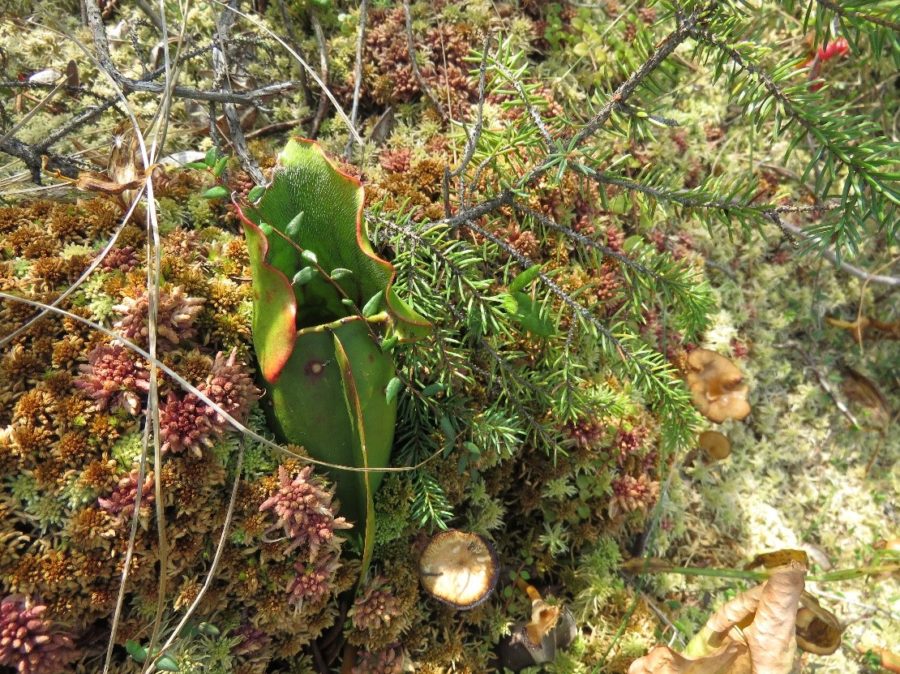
127, 450
95, 298
392, 509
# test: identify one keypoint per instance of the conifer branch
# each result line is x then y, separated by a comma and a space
663, 50
843, 12
870, 188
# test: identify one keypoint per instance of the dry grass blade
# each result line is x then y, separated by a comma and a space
217, 557
31, 113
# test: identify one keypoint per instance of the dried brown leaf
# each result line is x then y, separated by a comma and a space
732, 658
89, 181
863, 391
818, 630
771, 634
543, 619
754, 632
772, 560
864, 328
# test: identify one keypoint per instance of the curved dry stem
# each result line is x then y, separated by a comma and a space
153, 400
220, 548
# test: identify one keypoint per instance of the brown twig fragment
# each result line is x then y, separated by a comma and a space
357, 69
223, 80
423, 85
322, 110
130, 85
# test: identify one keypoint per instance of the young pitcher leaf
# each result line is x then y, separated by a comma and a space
355, 412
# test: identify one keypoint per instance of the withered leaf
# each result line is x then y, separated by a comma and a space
771, 560
818, 630
864, 327
543, 619
754, 632
860, 389
88, 181
72, 80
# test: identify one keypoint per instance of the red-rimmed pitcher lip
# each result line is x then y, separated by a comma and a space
275, 371
362, 241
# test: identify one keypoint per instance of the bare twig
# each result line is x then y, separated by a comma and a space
217, 557
33, 159
358, 69
473, 135
275, 127
411, 47
831, 256
129, 85
289, 27
304, 64
823, 382
145, 7
223, 80
31, 113
322, 110
75, 123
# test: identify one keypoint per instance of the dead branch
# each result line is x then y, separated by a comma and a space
410, 43
223, 80
831, 256
130, 85
295, 45
357, 69
34, 159
322, 110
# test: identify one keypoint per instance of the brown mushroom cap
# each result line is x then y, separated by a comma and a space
818, 631
715, 445
459, 569
716, 385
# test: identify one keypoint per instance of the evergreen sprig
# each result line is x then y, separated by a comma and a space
514, 372
852, 158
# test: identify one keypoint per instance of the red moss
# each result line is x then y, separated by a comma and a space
304, 510
29, 641
121, 501
586, 433
175, 317
123, 259
631, 494
114, 379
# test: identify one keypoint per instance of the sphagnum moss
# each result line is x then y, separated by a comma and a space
569, 447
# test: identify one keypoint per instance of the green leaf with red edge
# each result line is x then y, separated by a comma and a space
333, 230
274, 307
316, 335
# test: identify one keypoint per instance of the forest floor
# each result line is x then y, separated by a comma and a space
815, 465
